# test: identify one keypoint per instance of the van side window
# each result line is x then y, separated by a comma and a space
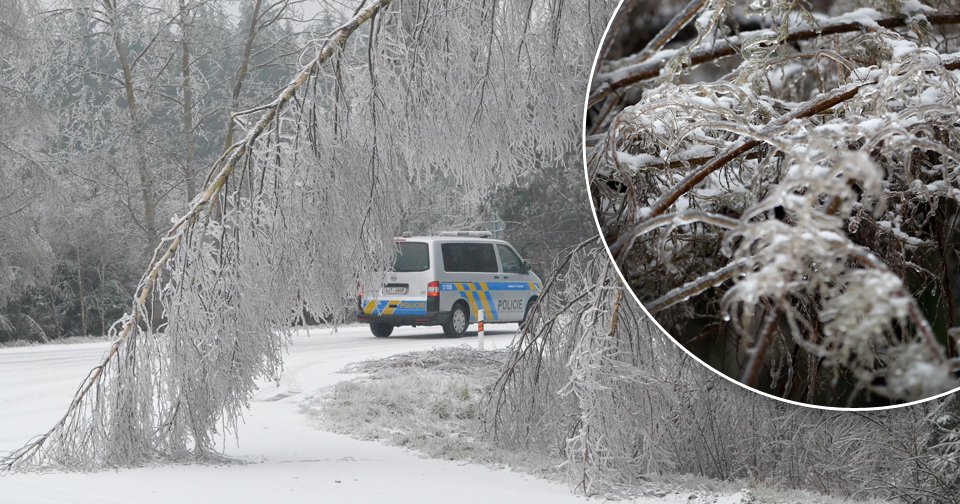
469, 257
510, 260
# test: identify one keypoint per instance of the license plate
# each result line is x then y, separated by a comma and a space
395, 290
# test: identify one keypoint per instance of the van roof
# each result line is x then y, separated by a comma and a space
447, 239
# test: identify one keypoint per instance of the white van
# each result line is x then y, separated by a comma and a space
445, 280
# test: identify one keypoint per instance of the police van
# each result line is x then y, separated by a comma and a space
447, 280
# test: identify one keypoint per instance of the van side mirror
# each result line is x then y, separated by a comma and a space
526, 267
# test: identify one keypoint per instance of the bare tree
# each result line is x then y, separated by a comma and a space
184, 15
25, 257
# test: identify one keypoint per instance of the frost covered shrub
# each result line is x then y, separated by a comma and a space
524, 410
782, 191
593, 380
427, 401
940, 462
555, 393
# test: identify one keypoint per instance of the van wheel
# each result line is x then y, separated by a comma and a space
458, 323
381, 329
526, 311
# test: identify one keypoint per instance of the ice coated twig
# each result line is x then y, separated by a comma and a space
720, 160
610, 82
694, 287
622, 245
759, 349
917, 318
662, 38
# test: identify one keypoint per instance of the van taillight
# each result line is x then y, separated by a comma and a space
433, 297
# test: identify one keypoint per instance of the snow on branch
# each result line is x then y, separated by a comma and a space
140, 402
652, 65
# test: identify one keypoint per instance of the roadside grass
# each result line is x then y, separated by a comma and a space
429, 402
426, 401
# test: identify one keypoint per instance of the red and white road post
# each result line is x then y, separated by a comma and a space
479, 329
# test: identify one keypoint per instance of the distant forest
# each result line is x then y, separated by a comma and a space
109, 121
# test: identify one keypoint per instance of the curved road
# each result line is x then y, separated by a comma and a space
288, 458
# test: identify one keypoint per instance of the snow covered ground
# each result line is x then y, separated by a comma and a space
285, 458
288, 459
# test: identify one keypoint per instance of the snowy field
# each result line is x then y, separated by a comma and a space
287, 458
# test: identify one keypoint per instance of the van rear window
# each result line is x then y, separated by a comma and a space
469, 257
411, 256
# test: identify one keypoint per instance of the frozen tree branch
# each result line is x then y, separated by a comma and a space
650, 67
720, 160
685, 292
623, 244
66, 430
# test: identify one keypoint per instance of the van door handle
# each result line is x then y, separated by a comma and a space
496, 276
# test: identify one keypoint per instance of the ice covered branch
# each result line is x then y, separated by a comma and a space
720, 160
651, 66
622, 245
80, 441
694, 287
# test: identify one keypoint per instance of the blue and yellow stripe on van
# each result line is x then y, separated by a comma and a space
477, 294
380, 307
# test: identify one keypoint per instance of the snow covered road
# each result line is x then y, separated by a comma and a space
289, 460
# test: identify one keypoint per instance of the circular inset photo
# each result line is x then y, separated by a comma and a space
778, 182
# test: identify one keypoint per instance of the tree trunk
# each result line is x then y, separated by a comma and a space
188, 168
54, 307
102, 271
83, 303
146, 181
242, 71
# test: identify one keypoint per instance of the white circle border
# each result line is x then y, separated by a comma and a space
626, 285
